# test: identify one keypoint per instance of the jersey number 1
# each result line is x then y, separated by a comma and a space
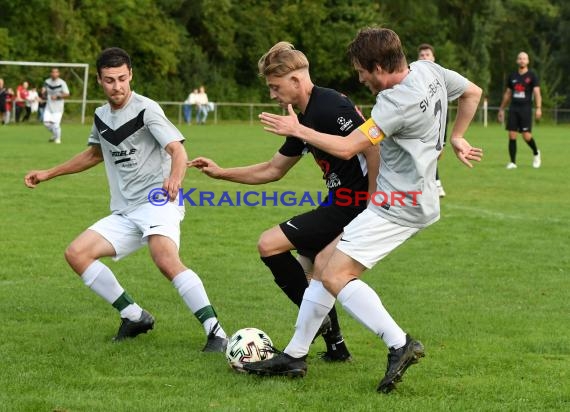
439, 111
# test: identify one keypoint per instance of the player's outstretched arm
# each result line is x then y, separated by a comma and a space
466, 108
80, 162
207, 166
343, 147
256, 174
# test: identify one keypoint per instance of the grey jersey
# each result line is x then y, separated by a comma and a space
55, 87
132, 140
412, 116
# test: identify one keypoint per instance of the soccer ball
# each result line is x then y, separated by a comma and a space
248, 345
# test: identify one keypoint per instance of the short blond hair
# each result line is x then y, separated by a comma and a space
282, 59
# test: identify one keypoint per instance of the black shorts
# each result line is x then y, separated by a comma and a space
310, 232
520, 119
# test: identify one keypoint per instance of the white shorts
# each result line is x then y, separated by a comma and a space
51, 117
369, 238
129, 232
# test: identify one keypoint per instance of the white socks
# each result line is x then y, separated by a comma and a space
57, 131
317, 303
103, 282
191, 289
364, 305
359, 300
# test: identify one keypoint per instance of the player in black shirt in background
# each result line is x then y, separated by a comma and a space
522, 85
286, 71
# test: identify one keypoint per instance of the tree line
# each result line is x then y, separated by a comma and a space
177, 45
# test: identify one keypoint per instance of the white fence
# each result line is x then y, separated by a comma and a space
248, 112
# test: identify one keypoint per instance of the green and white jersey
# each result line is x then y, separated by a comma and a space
132, 140
412, 117
55, 87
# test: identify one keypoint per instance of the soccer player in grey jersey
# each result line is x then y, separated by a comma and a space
408, 120
56, 92
143, 154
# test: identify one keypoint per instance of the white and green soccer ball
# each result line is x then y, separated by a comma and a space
248, 345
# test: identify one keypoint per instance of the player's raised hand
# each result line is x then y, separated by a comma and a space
465, 152
281, 125
206, 166
33, 178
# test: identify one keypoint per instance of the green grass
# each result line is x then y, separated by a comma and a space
485, 289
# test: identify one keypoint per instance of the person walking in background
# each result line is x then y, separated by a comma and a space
427, 52
202, 105
8, 106
33, 102
522, 86
187, 106
21, 102
3, 92
56, 92
144, 156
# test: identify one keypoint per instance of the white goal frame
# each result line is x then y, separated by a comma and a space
85, 66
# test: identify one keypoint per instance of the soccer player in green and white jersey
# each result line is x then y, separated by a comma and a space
143, 156
408, 120
56, 91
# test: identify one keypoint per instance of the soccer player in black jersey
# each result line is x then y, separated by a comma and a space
286, 71
522, 85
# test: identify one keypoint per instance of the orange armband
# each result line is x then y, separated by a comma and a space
371, 131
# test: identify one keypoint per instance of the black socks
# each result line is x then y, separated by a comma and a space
513, 150
532, 145
289, 275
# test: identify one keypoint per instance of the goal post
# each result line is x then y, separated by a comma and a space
85, 67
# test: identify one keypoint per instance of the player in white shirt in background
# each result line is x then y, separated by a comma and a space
57, 91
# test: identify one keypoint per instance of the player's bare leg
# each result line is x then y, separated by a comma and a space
164, 253
83, 256
308, 266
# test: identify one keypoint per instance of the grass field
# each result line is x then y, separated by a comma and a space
486, 289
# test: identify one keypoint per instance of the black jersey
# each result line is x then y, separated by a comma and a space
521, 86
330, 112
